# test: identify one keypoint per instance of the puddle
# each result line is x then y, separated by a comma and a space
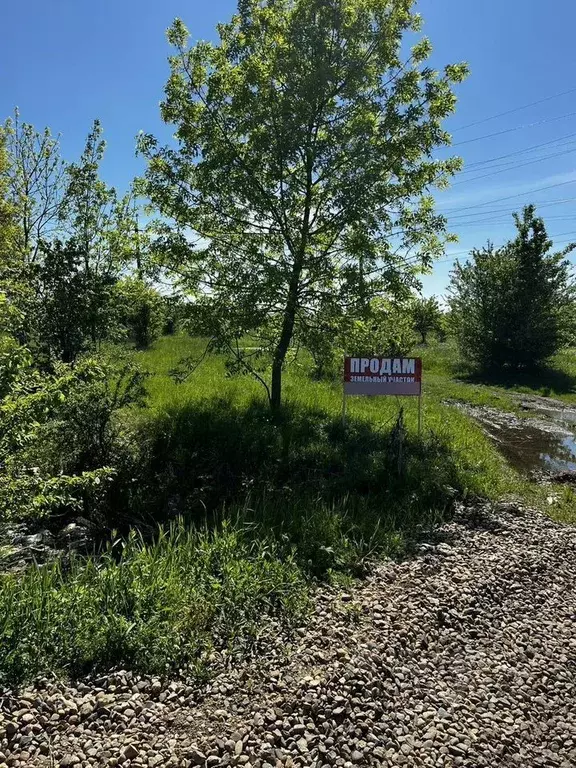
531, 444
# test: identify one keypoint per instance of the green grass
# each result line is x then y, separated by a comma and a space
479, 468
159, 607
238, 515
446, 375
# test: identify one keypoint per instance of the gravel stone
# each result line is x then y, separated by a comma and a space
464, 655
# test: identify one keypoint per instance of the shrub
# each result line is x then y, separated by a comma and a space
514, 306
140, 311
60, 437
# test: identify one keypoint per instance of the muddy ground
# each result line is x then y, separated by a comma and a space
541, 441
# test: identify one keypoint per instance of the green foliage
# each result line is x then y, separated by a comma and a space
304, 168
74, 304
140, 310
385, 329
59, 436
514, 306
36, 181
156, 607
427, 317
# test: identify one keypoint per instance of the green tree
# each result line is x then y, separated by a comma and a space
303, 168
140, 311
427, 317
35, 183
103, 234
514, 306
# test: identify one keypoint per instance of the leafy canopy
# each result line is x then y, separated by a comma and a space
514, 306
300, 184
427, 316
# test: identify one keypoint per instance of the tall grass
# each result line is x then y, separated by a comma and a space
156, 607
238, 515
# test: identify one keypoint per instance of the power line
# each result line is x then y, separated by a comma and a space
516, 128
516, 109
510, 197
505, 219
513, 167
506, 208
471, 167
454, 256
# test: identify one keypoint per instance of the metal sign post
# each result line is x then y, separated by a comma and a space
375, 376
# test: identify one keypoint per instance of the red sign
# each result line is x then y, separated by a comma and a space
382, 376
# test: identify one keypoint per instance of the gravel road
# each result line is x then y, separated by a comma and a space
462, 656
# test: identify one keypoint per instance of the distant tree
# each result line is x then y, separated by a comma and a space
140, 311
427, 316
36, 181
385, 329
516, 305
304, 168
74, 305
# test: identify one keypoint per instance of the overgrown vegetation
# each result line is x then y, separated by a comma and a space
302, 168
157, 607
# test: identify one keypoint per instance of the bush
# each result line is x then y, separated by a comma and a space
60, 437
73, 304
386, 330
514, 306
140, 311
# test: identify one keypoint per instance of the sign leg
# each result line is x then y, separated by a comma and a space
419, 414
343, 407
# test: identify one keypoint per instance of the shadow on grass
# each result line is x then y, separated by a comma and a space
334, 493
273, 507
544, 381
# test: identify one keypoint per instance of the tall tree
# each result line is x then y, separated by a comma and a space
303, 167
90, 205
514, 306
36, 183
103, 239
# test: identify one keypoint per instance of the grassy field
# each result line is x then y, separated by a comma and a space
228, 518
447, 377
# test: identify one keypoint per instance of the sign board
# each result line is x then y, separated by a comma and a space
383, 376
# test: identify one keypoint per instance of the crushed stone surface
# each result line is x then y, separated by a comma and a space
464, 655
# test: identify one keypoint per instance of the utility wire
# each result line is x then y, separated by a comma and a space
506, 208
516, 109
471, 167
513, 167
508, 197
516, 128
454, 256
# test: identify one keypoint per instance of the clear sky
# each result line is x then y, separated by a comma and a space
66, 62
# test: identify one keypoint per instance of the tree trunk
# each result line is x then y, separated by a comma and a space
285, 336
282, 349
292, 299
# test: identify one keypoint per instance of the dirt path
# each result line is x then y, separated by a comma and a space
463, 656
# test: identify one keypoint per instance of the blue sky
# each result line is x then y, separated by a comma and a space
66, 62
